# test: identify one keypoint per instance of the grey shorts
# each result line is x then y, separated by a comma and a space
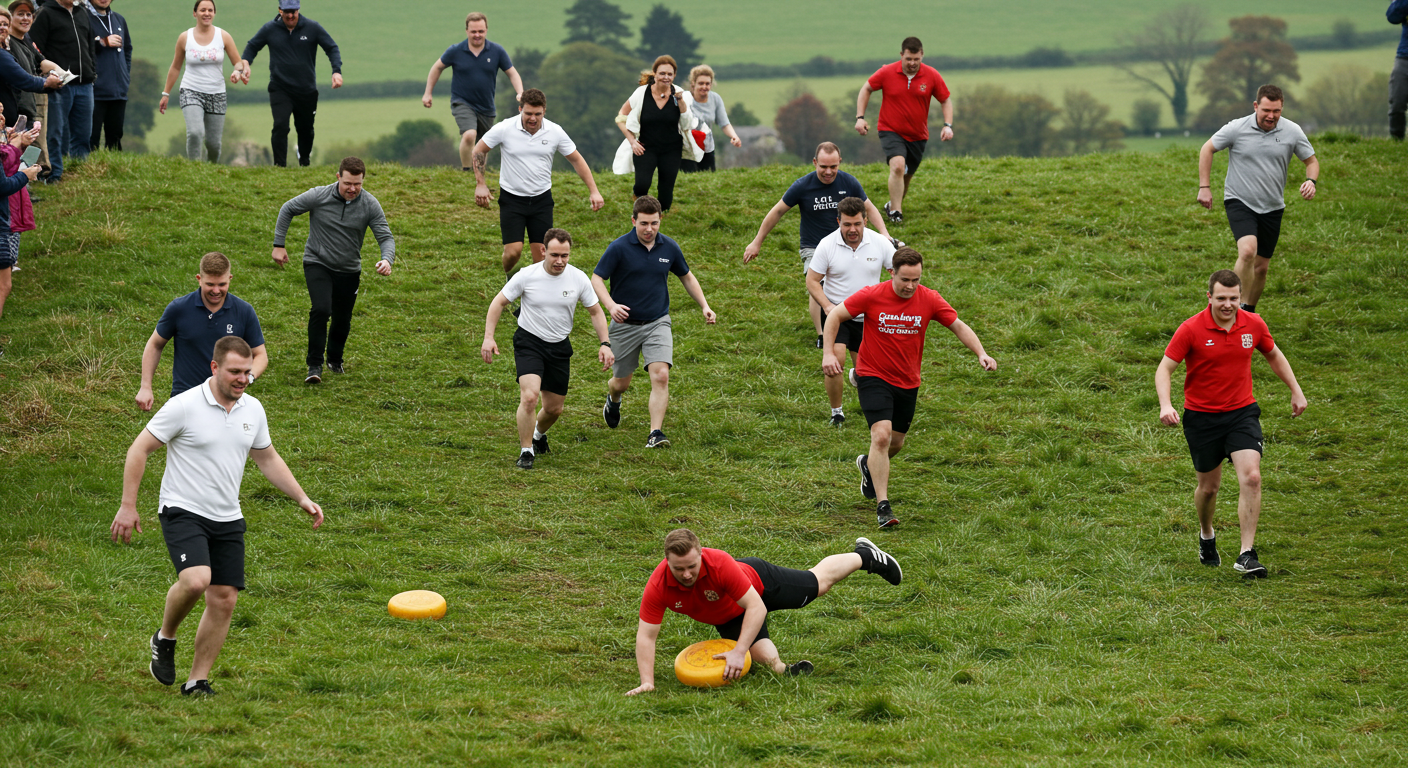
654, 341
807, 254
469, 120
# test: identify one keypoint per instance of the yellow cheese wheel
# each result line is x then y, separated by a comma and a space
417, 604
696, 665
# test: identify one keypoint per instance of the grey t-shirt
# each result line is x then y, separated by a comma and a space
1256, 166
711, 111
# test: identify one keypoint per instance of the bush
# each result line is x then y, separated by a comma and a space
1145, 116
999, 122
803, 123
1348, 98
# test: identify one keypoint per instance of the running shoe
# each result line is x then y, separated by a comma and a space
657, 439
201, 689
895, 216
837, 419
851, 379
540, 445
525, 460
612, 413
1247, 564
867, 489
1207, 552
803, 667
315, 374
884, 516
881, 563
163, 666
336, 368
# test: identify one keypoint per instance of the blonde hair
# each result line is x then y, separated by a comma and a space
702, 69
678, 542
476, 16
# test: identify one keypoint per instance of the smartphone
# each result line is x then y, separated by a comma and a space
30, 156
38, 124
21, 123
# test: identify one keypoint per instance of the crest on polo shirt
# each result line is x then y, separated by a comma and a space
711, 595
1246, 341
229, 328
565, 294
247, 428
923, 87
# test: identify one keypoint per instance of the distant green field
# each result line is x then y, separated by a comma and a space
382, 41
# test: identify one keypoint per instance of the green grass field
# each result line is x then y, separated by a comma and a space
381, 41
1053, 610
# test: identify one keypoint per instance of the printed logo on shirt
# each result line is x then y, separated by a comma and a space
1246, 341
923, 87
678, 605
824, 203
229, 328
564, 294
246, 428
665, 261
1210, 343
711, 595
896, 324
304, 37
183, 558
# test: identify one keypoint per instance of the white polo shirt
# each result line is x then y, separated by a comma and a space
847, 271
206, 450
549, 302
525, 162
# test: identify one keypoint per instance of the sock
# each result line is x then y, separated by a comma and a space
189, 685
1207, 538
466, 168
162, 636
836, 412
528, 450
866, 558
538, 435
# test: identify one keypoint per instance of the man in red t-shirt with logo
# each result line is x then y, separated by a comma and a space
905, 88
709, 586
1221, 419
897, 313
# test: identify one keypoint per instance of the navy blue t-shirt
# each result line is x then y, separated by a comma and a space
819, 202
195, 331
637, 276
475, 77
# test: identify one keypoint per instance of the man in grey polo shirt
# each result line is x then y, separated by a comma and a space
339, 216
528, 141
209, 431
1261, 146
476, 62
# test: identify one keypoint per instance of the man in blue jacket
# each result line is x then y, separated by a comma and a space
114, 65
293, 42
1398, 81
64, 35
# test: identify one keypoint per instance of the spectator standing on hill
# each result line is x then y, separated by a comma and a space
709, 108
542, 351
12, 184
114, 65
1221, 418
63, 33
15, 78
652, 120
33, 105
475, 64
202, 49
905, 89
196, 322
339, 216
1253, 195
21, 206
293, 75
529, 142
897, 314
818, 193
209, 433
1398, 79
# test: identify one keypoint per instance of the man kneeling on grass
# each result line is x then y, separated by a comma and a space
709, 586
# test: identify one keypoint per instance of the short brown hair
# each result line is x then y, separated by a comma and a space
476, 16
230, 344
352, 165
557, 233
678, 542
534, 98
1225, 277
198, 2
850, 206
214, 264
645, 204
906, 256
826, 146
1270, 93
18, 3
912, 45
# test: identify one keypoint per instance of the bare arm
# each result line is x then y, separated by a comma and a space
604, 354
126, 518
233, 54
818, 294
261, 361
272, 465
516, 81
174, 72
1205, 174
838, 314
947, 133
430, 81
646, 635
480, 161
877, 219
754, 612
618, 312
1282, 368
970, 340
151, 357
1312, 173
579, 164
863, 103
1163, 385
691, 286
490, 348
773, 216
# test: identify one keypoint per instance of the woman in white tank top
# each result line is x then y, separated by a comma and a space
203, 49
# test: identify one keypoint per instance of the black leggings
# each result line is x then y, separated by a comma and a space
669, 164
333, 294
108, 116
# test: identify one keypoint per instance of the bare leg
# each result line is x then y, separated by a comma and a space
1246, 268
536, 250
884, 444
182, 597
467, 142
659, 393
1205, 499
834, 384
214, 626
834, 568
5, 286
1258, 283
616, 387
814, 309
764, 652
529, 387
512, 253
896, 183
907, 178
1248, 466
552, 410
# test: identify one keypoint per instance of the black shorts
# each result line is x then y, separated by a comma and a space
551, 361
784, 589
193, 539
883, 401
850, 334
1265, 227
894, 146
524, 214
1213, 437
705, 164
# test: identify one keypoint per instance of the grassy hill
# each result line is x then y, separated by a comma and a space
1053, 611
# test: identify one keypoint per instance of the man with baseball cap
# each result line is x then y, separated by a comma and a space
293, 42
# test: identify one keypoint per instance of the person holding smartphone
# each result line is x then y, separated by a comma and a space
14, 184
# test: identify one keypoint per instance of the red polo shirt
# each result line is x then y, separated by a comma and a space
713, 599
1219, 375
893, 345
904, 105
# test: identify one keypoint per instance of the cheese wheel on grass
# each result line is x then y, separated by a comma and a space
417, 604
697, 667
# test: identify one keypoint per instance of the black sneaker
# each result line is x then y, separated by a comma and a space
525, 460
1207, 552
1248, 564
612, 413
884, 516
837, 419
163, 666
657, 439
201, 688
315, 374
336, 368
881, 564
803, 667
895, 216
540, 446
818, 341
867, 489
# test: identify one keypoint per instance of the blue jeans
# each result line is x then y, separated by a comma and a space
70, 126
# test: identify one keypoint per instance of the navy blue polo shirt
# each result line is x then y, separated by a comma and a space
195, 331
475, 77
819, 202
637, 275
